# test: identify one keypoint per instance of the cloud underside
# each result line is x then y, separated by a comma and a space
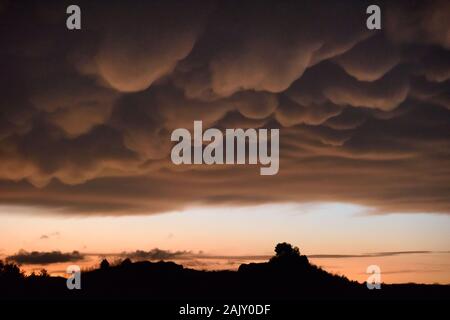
86, 116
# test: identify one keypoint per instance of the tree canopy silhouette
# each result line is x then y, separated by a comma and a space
104, 264
289, 257
286, 249
10, 270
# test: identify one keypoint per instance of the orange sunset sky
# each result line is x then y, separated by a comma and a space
86, 118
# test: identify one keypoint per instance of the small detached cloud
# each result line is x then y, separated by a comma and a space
48, 236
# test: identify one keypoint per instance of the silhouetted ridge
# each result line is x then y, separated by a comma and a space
288, 275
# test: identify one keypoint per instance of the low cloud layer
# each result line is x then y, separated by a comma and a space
368, 255
43, 258
86, 116
154, 254
187, 258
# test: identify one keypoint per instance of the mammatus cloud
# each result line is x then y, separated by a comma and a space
86, 116
37, 257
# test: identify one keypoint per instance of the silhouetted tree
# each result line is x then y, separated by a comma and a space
286, 249
126, 262
104, 264
44, 273
10, 270
288, 256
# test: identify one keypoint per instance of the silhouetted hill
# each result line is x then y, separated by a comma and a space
287, 276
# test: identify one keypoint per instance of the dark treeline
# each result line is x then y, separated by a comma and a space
286, 276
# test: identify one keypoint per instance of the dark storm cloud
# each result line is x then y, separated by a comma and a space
37, 257
86, 116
